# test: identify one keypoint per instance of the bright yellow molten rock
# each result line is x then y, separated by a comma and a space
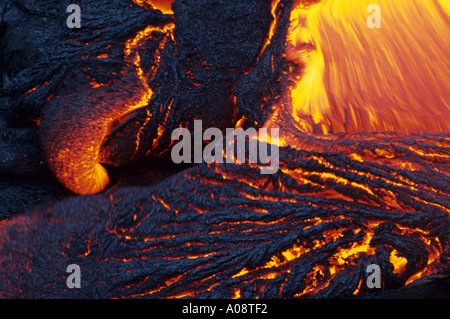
358, 77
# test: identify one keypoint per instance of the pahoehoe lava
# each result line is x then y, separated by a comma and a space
351, 190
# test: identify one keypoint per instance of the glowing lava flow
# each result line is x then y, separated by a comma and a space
164, 5
272, 26
76, 161
353, 78
133, 56
346, 77
338, 203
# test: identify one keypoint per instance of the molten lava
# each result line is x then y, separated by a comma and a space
363, 177
164, 5
78, 164
346, 77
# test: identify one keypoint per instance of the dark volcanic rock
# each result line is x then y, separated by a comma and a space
194, 78
166, 231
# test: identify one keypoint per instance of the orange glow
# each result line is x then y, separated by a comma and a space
398, 262
359, 79
166, 205
342, 258
427, 270
272, 26
78, 166
35, 88
345, 78
164, 5
138, 136
356, 249
237, 293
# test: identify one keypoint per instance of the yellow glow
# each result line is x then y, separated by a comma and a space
164, 5
398, 262
354, 78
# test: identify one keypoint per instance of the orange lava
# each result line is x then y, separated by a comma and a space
354, 78
164, 5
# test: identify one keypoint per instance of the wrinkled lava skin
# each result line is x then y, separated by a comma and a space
172, 74
339, 202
